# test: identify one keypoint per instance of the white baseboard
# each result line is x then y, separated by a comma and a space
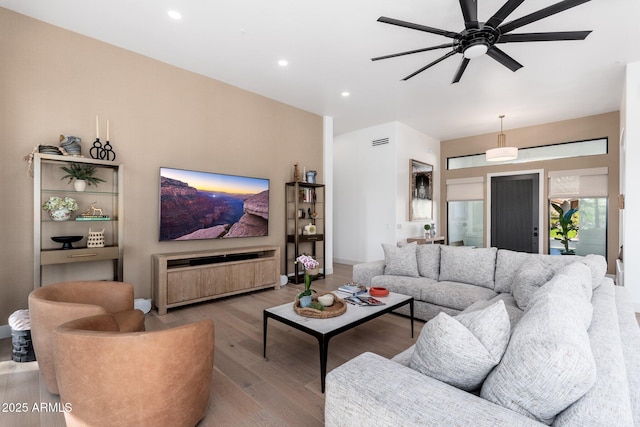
346, 261
5, 331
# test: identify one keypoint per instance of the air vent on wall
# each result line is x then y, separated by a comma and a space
381, 141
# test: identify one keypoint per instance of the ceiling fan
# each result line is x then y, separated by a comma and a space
479, 38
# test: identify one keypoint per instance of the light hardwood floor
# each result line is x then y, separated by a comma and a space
247, 389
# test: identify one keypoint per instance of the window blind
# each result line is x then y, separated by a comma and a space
579, 183
461, 189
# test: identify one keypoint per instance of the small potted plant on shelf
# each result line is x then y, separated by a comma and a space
310, 267
564, 225
427, 231
60, 208
82, 174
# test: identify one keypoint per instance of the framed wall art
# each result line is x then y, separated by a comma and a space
420, 191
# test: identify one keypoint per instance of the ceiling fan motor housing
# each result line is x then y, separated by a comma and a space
475, 42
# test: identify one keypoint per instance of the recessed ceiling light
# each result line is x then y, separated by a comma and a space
283, 63
345, 94
174, 14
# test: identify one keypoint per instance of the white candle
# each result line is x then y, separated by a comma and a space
97, 128
107, 130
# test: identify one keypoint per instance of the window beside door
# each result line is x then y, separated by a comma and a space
590, 219
465, 223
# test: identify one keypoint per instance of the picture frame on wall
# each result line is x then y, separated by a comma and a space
420, 191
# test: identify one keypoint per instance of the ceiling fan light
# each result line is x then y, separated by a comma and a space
502, 154
475, 51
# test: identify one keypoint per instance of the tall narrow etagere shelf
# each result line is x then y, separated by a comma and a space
305, 204
108, 195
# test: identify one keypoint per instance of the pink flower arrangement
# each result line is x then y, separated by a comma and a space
307, 262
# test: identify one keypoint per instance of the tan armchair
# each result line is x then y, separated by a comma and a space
153, 378
53, 305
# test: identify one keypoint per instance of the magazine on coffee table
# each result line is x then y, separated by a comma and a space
363, 300
370, 300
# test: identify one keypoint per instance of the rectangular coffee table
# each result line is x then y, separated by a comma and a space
325, 329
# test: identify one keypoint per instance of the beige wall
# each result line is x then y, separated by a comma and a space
599, 126
55, 81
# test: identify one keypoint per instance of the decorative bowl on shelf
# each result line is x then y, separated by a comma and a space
66, 240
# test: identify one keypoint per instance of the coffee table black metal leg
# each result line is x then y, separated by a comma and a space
323, 342
411, 310
264, 334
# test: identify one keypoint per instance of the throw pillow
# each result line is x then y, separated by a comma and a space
548, 364
428, 261
598, 266
462, 350
528, 279
400, 261
568, 289
581, 274
475, 266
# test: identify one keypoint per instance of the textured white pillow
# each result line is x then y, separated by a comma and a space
532, 275
462, 350
548, 364
582, 274
400, 261
598, 266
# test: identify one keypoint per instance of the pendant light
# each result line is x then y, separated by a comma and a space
502, 153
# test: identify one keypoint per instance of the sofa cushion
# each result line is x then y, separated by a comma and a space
428, 257
405, 285
528, 279
400, 261
462, 264
462, 350
548, 364
454, 295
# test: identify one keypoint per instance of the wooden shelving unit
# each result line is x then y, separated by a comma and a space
108, 195
305, 205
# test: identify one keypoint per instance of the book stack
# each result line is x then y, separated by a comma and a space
352, 289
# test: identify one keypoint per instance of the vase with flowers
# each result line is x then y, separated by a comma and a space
60, 208
310, 267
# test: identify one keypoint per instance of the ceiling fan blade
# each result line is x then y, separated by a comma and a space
502, 14
544, 37
541, 14
409, 52
418, 27
460, 71
504, 59
469, 13
442, 58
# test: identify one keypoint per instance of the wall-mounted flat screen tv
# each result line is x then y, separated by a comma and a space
204, 205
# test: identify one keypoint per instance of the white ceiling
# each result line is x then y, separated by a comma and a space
329, 45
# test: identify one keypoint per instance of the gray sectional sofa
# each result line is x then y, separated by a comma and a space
511, 339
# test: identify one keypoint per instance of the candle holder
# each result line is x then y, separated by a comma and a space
96, 150
102, 152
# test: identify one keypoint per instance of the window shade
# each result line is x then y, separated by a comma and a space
461, 189
579, 183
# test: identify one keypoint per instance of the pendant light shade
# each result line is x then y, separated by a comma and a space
502, 153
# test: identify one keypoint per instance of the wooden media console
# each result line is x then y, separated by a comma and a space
188, 277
